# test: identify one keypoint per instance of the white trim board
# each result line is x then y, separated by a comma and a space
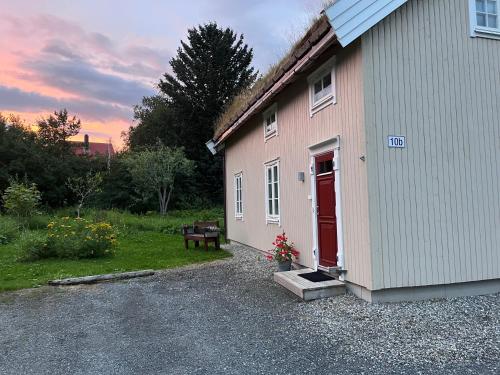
328, 145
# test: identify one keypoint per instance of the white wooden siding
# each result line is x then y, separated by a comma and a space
351, 18
435, 205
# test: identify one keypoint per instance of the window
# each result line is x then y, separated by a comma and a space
484, 18
322, 86
238, 197
325, 167
273, 192
271, 121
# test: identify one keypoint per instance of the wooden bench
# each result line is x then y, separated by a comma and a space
202, 231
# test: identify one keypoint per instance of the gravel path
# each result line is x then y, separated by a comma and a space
228, 317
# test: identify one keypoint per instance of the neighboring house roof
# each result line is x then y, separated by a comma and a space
351, 18
93, 148
343, 21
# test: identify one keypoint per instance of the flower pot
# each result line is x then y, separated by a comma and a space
284, 266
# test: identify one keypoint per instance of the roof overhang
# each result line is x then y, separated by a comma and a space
352, 18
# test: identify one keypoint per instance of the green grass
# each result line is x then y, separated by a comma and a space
144, 242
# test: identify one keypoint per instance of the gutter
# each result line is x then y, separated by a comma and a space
302, 64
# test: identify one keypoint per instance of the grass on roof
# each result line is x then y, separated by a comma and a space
242, 100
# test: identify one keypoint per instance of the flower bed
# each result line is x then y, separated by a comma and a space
72, 238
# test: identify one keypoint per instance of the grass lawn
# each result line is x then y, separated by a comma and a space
143, 243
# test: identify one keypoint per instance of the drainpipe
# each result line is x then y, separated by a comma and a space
214, 150
224, 193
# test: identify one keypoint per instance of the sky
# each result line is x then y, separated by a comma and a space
98, 58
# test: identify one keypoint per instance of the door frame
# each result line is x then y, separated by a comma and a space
329, 145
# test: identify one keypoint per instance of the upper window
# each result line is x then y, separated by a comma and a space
322, 86
271, 121
273, 192
238, 196
484, 18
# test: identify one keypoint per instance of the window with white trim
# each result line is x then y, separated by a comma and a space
322, 86
484, 18
273, 192
238, 195
270, 117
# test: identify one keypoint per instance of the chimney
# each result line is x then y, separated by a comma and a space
86, 144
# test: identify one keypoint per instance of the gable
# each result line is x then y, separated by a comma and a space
351, 18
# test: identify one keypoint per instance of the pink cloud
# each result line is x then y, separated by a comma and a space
49, 63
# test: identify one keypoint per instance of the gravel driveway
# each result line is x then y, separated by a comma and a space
228, 317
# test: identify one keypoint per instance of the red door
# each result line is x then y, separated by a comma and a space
325, 199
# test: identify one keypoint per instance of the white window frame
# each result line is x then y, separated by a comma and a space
272, 217
238, 199
265, 115
482, 31
319, 74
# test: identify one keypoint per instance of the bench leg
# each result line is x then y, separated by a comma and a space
217, 243
186, 244
196, 243
206, 245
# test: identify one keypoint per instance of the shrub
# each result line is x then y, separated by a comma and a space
9, 229
33, 246
21, 200
79, 238
37, 222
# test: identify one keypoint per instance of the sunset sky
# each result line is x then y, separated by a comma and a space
99, 58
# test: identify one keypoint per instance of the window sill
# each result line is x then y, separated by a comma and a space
486, 32
272, 220
270, 135
322, 104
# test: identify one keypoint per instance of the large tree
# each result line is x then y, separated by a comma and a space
55, 130
157, 121
210, 68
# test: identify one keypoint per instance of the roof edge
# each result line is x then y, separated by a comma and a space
287, 77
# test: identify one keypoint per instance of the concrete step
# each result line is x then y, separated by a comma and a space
308, 290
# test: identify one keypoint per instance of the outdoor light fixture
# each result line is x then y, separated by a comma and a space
300, 176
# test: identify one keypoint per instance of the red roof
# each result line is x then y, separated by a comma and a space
95, 148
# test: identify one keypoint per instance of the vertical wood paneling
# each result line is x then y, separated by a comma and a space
247, 152
434, 206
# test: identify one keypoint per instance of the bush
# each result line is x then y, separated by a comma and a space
33, 246
79, 238
9, 229
37, 222
21, 200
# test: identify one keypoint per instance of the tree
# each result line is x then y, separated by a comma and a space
157, 122
156, 169
208, 71
55, 130
84, 187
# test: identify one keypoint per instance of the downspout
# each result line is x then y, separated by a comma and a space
224, 194
214, 150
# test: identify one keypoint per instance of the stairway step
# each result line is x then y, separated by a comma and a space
308, 290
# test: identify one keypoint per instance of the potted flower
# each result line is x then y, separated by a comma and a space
283, 252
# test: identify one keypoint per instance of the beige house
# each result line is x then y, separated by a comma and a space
375, 145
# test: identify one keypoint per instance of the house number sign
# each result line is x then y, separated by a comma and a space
396, 141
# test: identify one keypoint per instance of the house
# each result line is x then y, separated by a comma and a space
93, 148
375, 145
